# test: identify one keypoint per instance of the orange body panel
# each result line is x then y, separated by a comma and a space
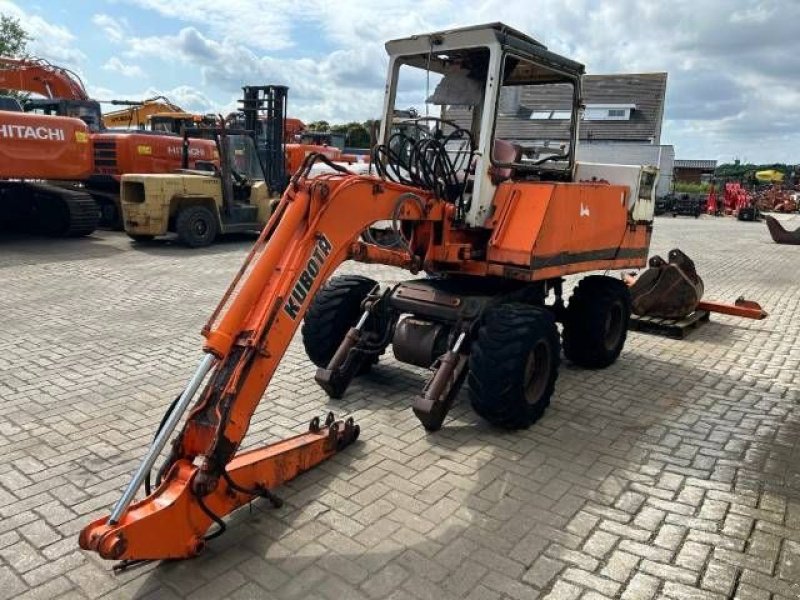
118, 153
43, 147
296, 154
540, 225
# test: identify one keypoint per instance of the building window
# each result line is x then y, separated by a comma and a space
608, 112
551, 115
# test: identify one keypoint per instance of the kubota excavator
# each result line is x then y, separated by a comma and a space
495, 217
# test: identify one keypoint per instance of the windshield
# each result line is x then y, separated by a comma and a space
535, 116
243, 156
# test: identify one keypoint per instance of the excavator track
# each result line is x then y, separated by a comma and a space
47, 209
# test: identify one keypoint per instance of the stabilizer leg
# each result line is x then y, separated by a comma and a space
432, 405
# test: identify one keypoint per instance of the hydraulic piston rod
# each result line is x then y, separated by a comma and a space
161, 439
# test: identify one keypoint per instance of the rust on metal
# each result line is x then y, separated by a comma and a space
670, 290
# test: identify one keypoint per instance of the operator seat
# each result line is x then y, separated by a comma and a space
505, 152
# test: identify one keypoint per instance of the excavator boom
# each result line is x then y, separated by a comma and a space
39, 76
138, 114
304, 242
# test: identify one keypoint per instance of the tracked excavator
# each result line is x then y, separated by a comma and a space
138, 115
60, 167
494, 219
52, 143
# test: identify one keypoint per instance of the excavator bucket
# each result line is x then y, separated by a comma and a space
781, 235
670, 290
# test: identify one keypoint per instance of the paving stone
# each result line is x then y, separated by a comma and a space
720, 577
620, 565
563, 591
671, 474
542, 572
10, 584
641, 587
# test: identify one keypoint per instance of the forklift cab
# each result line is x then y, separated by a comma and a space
238, 165
471, 86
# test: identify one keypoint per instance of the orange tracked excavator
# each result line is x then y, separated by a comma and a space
496, 218
60, 166
46, 147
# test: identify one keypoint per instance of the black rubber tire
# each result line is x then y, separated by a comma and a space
110, 214
196, 226
513, 339
596, 323
333, 311
141, 238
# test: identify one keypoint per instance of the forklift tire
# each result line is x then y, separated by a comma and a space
196, 226
333, 311
596, 323
513, 365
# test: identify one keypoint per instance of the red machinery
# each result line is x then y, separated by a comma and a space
736, 201
66, 142
46, 147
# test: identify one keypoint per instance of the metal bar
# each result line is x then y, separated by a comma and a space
743, 308
161, 439
363, 320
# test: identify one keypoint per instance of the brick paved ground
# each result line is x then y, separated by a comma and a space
674, 474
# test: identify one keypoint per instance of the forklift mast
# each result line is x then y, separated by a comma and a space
264, 111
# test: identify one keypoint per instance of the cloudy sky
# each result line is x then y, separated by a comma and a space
734, 66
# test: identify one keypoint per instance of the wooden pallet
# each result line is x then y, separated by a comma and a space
674, 328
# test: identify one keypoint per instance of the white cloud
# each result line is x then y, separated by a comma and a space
187, 97
117, 66
115, 29
261, 24
733, 64
53, 42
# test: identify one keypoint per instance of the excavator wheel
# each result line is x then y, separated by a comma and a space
596, 324
513, 365
333, 311
196, 226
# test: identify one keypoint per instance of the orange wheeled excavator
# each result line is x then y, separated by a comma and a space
495, 220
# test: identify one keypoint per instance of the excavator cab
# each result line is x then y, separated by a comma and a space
87, 111
469, 87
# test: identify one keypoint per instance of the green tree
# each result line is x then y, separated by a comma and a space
13, 42
13, 37
319, 126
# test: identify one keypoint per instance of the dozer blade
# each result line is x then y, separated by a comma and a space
670, 290
172, 522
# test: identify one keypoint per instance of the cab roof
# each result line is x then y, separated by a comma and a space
485, 35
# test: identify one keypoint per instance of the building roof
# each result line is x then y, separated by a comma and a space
646, 91
709, 165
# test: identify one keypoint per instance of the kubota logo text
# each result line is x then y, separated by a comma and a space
26, 132
305, 282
